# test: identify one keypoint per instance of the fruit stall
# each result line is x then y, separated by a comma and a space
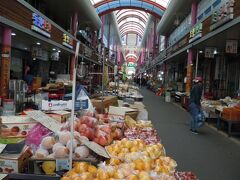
39, 144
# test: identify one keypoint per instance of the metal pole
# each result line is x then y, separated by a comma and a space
196, 65
103, 68
140, 83
73, 105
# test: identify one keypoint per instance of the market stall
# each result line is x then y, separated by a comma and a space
224, 111
119, 143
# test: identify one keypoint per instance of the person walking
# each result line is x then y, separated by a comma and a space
195, 104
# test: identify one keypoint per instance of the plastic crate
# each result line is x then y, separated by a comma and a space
232, 114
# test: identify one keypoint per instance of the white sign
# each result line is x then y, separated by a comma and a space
2, 147
62, 164
56, 105
95, 147
231, 46
45, 120
209, 52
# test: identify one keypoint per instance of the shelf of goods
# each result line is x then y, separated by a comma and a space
102, 148
224, 110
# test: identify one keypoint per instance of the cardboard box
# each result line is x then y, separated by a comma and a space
16, 126
121, 112
60, 116
15, 163
106, 103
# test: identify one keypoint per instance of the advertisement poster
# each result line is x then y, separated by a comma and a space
231, 46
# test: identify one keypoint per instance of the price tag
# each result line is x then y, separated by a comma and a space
2, 176
62, 164
45, 120
95, 147
2, 147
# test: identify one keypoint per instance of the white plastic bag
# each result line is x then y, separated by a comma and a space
83, 102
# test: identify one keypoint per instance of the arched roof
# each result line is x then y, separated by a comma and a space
131, 20
133, 32
155, 7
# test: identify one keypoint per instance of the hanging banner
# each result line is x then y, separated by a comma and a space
232, 46
209, 52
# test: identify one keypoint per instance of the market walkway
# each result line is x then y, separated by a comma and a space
210, 155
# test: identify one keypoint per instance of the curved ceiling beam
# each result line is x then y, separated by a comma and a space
132, 29
127, 7
131, 23
133, 16
134, 32
130, 2
130, 54
131, 11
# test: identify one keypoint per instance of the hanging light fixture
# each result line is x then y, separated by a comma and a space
176, 21
81, 70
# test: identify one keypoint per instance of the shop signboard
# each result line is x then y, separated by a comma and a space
41, 25
223, 15
209, 52
55, 56
231, 46
67, 41
196, 32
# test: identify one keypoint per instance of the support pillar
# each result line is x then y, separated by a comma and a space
190, 51
74, 26
5, 61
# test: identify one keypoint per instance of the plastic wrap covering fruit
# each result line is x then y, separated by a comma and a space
185, 176
35, 136
148, 135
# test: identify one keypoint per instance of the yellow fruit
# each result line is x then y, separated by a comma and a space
119, 174
143, 175
101, 174
125, 150
109, 149
147, 166
81, 167
71, 173
49, 167
111, 173
92, 169
139, 164
86, 176
121, 155
65, 178
132, 177
76, 178
116, 149
128, 144
134, 149
114, 161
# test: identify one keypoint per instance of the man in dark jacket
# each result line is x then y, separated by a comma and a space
195, 104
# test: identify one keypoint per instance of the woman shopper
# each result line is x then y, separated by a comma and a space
195, 104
